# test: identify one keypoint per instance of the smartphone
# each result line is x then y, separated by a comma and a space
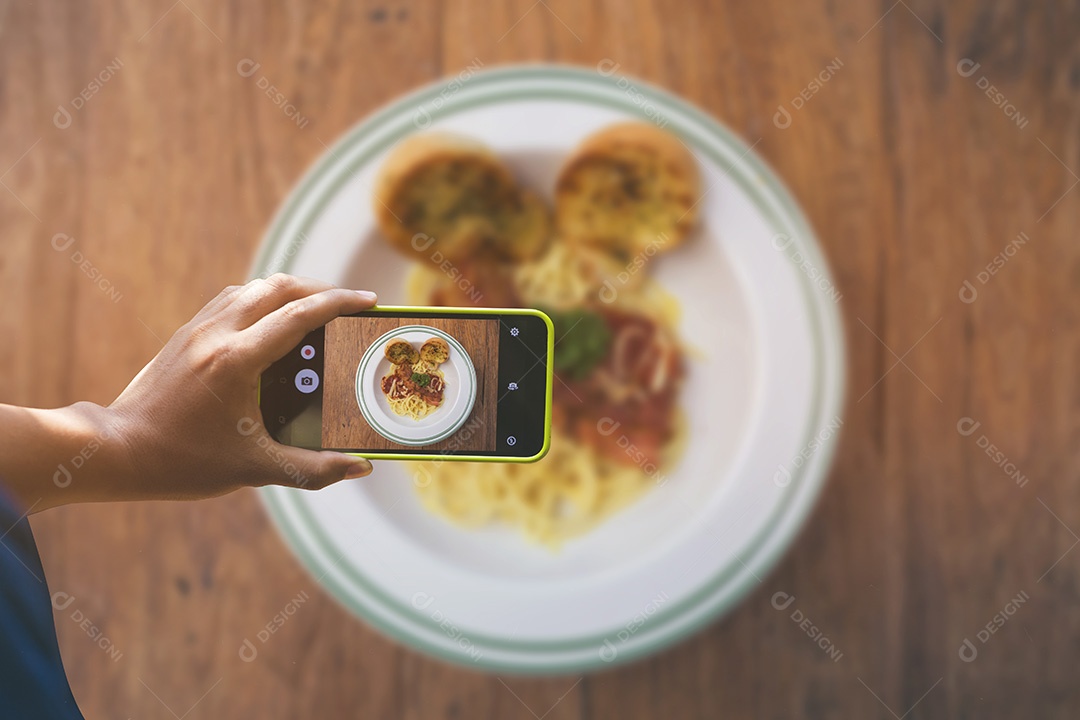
412, 383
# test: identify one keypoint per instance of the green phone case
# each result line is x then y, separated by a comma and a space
548, 381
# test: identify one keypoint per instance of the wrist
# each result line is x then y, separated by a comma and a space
95, 458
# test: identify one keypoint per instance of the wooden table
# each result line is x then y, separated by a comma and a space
922, 138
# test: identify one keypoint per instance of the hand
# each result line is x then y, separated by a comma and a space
189, 426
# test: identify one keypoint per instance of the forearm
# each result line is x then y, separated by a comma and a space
54, 457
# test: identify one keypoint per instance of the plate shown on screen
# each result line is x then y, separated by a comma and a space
458, 396
759, 311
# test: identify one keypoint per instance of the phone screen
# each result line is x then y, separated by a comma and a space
416, 382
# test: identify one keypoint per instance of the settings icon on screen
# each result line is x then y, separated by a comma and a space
514, 332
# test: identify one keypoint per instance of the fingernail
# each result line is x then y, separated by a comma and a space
367, 295
358, 469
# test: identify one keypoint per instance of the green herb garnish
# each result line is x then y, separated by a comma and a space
582, 339
421, 379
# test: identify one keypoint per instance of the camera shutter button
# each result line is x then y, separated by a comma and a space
307, 380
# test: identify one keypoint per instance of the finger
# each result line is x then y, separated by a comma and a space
279, 332
261, 297
220, 300
311, 469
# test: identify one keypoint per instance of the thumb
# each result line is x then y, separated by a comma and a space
314, 469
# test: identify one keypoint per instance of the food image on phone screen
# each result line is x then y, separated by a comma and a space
417, 382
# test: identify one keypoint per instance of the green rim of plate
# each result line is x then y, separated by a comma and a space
372, 351
717, 594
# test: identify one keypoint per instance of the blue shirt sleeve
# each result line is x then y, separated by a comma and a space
32, 680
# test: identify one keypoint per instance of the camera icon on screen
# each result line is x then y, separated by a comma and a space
307, 380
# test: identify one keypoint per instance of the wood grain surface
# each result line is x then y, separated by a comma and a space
943, 131
347, 339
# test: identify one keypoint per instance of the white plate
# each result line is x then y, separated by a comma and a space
758, 306
458, 396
